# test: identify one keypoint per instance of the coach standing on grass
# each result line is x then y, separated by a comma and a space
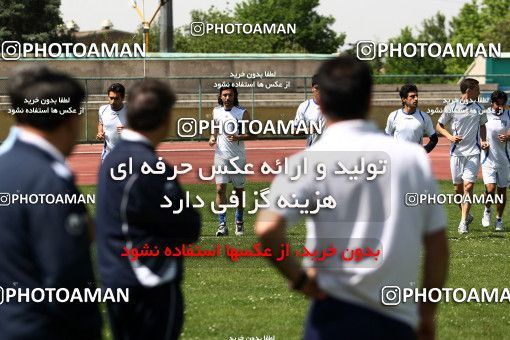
346, 302
133, 185
44, 245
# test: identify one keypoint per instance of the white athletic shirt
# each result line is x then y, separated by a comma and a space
224, 147
308, 111
498, 153
409, 127
464, 120
366, 210
110, 120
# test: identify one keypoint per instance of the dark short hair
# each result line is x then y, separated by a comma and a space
468, 83
345, 87
231, 87
405, 89
315, 80
148, 104
29, 88
117, 88
497, 95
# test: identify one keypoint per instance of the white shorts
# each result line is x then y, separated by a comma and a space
237, 180
464, 168
500, 175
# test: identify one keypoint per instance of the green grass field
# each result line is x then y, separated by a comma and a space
225, 299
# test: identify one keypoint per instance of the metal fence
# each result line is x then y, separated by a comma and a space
264, 97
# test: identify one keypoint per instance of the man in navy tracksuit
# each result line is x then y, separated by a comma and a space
129, 216
43, 246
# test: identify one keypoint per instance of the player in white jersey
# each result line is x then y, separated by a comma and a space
466, 119
112, 118
410, 123
229, 146
310, 113
496, 159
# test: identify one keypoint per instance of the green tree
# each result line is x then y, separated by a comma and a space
219, 43
496, 13
467, 27
402, 65
432, 30
31, 21
493, 10
485, 21
313, 32
500, 33
139, 37
476, 23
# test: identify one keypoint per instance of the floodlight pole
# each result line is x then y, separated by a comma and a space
147, 24
166, 26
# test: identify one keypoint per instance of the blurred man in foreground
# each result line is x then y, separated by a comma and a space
133, 185
43, 245
348, 298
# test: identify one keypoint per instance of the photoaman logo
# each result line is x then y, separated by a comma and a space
15, 50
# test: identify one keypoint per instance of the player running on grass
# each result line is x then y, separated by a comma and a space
410, 123
229, 146
112, 119
466, 119
496, 159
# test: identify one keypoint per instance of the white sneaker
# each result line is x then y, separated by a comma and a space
222, 230
469, 219
239, 228
486, 219
463, 228
499, 225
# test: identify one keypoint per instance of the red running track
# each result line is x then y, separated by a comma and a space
85, 160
